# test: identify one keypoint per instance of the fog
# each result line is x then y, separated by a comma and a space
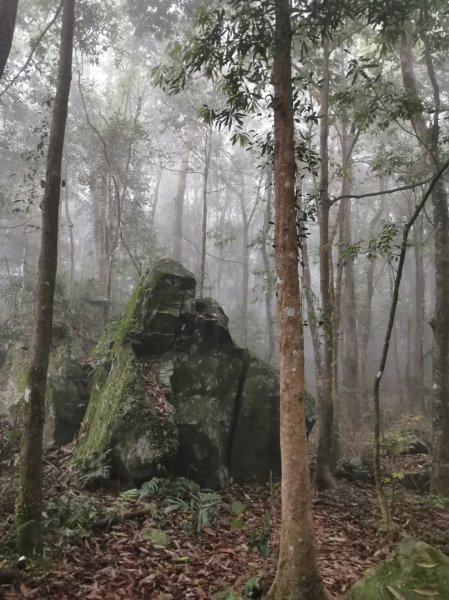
135, 163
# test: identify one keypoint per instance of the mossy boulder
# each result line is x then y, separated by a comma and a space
129, 418
255, 447
162, 306
413, 572
67, 387
212, 409
204, 388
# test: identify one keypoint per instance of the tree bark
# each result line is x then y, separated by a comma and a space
70, 232
267, 266
297, 573
417, 379
366, 312
429, 138
207, 157
350, 379
179, 201
323, 471
8, 14
29, 501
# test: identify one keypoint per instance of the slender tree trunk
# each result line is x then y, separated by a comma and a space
313, 316
245, 280
29, 501
179, 201
430, 138
267, 265
207, 157
350, 380
8, 13
156, 196
323, 471
24, 273
70, 232
297, 575
418, 342
365, 319
245, 264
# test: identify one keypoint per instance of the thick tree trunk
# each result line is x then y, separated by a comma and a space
29, 501
297, 573
179, 201
323, 471
8, 13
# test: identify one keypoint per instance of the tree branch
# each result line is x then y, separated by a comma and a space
33, 50
381, 192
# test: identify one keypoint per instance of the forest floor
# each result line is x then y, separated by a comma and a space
92, 558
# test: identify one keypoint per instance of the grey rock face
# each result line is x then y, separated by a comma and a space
210, 412
67, 388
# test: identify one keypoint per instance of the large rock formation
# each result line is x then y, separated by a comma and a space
414, 571
67, 386
173, 393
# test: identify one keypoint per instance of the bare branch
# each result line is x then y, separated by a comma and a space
381, 192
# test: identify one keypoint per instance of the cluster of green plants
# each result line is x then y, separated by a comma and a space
71, 517
201, 507
401, 438
97, 472
433, 501
251, 589
258, 537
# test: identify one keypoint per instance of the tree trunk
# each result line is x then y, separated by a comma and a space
430, 138
29, 501
366, 312
179, 201
297, 573
267, 266
8, 13
207, 157
70, 232
323, 471
350, 380
417, 395
156, 196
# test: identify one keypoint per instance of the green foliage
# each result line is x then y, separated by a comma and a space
185, 496
398, 441
404, 436
97, 472
259, 537
71, 517
433, 501
251, 590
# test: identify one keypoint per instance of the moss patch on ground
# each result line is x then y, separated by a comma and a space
414, 571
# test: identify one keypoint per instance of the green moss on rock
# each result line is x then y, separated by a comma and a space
123, 416
414, 571
256, 451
